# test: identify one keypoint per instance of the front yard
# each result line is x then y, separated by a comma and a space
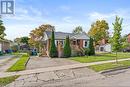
20, 64
100, 57
7, 80
107, 66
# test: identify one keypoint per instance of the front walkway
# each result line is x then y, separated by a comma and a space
55, 68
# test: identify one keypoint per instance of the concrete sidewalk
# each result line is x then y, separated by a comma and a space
49, 69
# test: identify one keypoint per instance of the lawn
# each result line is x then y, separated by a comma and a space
20, 64
7, 80
100, 57
108, 66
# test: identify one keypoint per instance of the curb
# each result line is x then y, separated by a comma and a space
27, 62
112, 70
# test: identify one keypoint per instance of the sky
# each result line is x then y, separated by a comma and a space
65, 15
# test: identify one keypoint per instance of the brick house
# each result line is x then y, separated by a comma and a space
4, 45
77, 41
128, 38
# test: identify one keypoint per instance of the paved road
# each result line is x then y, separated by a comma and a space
75, 75
52, 67
55, 77
81, 77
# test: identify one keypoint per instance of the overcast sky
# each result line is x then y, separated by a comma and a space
65, 15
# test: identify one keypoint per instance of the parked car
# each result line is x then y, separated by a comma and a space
33, 52
126, 50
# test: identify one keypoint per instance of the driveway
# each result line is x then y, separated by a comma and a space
6, 62
44, 62
6, 56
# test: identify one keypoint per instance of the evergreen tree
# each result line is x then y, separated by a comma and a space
67, 48
53, 49
91, 47
116, 39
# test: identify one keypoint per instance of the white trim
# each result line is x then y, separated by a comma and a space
84, 43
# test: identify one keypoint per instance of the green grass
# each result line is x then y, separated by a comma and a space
20, 64
108, 66
100, 57
7, 80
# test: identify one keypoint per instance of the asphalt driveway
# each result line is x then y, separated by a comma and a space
44, 62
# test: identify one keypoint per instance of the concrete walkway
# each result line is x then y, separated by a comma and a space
49, 69
6, 62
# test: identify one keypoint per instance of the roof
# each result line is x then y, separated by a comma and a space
62, 35
4, 40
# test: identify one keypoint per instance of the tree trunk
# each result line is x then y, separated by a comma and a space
116, 58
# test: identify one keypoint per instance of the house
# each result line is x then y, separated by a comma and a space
4, 45
104, 46
128, 38
77, 41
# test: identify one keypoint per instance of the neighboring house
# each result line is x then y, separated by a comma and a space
104, 46
4, 45
76, 41
128, 38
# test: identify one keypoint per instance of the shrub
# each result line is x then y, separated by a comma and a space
91, 48
53, 50
86, 51
1, 53
67, 48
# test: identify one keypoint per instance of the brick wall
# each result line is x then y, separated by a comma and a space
129, 38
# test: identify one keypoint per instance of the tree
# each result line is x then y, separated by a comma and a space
91, 50
78, 30
99, 31
53, 50
2, 29
36, 36
124, 42
67, 48
116, 39
24, 40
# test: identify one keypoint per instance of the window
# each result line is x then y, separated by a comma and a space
74, 42
85, 43
59, 41
56, 43
78, 42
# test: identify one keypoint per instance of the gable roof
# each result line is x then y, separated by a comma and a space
62, 35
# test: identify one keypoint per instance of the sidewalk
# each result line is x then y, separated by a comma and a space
42, 70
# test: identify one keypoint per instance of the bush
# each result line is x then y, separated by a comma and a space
67, 48
91, 48
1, 53
76, 53
86, 51
53, 50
